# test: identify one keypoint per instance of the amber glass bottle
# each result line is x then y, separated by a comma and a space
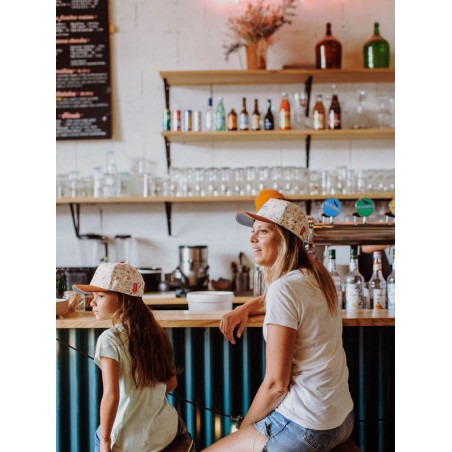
328, 51
376, 50
244, 117
256, 117
232, 120
318, 114
334, 112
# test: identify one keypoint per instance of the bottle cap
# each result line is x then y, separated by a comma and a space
332, 207
365, 207
209, 102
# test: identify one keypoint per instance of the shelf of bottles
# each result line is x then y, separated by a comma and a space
276, 135
199, 199
271, 77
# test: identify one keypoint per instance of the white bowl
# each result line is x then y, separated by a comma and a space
210, 300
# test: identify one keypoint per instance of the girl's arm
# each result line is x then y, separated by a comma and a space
110, 400
239, 317
171, 384
279, 355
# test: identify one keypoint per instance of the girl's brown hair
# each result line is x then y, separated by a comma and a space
149, 347
292, 256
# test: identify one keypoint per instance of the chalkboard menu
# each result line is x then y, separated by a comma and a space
83, 89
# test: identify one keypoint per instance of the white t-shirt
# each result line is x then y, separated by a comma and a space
145, 420
319, 396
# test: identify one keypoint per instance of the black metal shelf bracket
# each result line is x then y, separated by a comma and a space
75, 214
308, 88
167, 93
308, 149
168, 154
168, 209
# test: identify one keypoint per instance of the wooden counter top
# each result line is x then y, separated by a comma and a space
201, 319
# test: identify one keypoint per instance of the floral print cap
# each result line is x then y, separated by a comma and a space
118, 277
281, 212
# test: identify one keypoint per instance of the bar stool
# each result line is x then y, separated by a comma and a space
348, 446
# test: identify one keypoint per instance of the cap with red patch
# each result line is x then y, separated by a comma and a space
281, 212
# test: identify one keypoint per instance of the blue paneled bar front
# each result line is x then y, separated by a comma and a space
224, 378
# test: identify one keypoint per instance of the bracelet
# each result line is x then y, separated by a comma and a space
105, 438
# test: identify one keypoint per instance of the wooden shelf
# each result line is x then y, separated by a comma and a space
204, 199
263, 77
280, 135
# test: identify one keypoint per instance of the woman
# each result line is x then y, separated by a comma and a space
304, 402
136, 359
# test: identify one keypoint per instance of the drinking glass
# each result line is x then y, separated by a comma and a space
212, 175
263, 175
276, 178
226, 181
251, 185
315, 180
239, 181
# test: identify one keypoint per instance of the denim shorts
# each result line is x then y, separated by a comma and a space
285, 435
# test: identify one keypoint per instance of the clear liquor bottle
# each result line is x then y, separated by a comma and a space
377, 284
337, 279
390, 283
209, 118
244, 117
354, 283
220, 115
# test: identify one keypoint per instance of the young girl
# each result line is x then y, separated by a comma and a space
304, 402
136, 360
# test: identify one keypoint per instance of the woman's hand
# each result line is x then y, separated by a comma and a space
105, 445
237, 317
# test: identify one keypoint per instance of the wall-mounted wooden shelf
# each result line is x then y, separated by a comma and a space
222, 199
271, 77
280, 135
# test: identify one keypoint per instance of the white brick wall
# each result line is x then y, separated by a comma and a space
156, 35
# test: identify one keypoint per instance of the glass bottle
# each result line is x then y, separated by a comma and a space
284, 113
232, 120
244, 118
376, 50
269, 121
209, 118
377, 284
360, 119
354, 283
318, 114
337, 279
328, 51
334, 112
220, 115
390, 284
256, 117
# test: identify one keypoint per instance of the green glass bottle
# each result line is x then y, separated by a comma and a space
376, 50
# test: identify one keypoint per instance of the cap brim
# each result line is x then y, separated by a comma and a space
86, 288
248, 218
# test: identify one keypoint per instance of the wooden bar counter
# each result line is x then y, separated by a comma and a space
205, 319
